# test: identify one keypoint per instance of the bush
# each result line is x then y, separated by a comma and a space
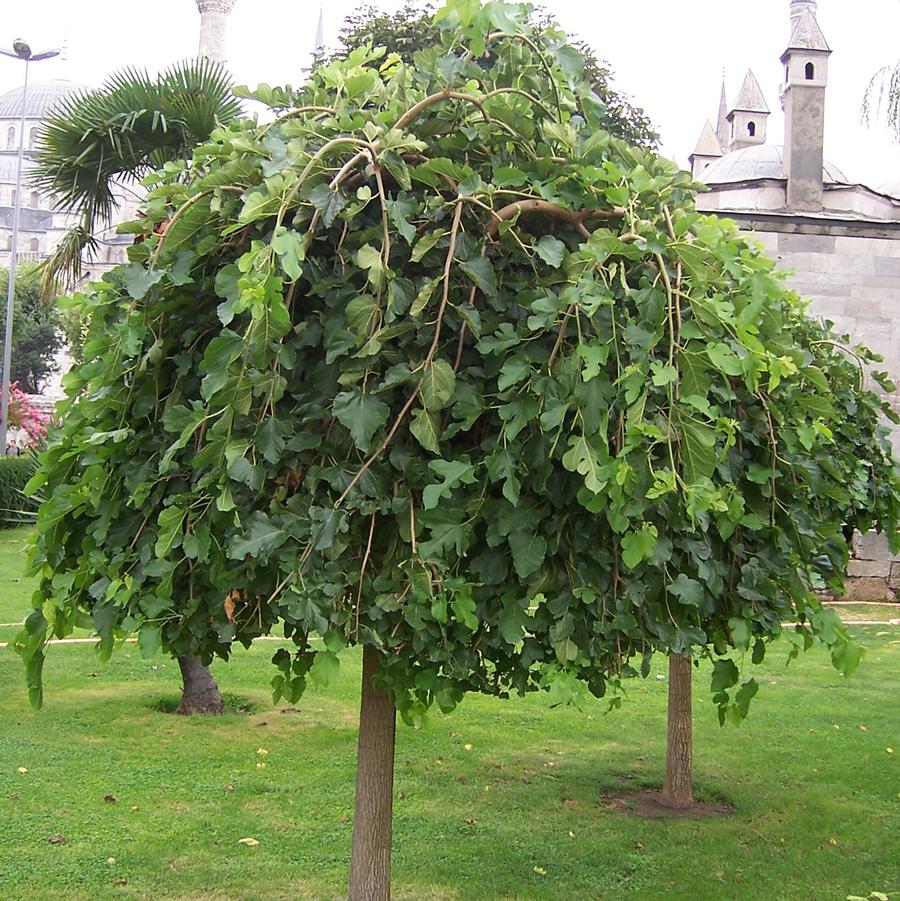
15, 508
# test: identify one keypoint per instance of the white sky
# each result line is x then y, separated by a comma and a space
668, 55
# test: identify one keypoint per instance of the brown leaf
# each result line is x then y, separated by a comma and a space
110, 799
229, 604
57, 839
121, 882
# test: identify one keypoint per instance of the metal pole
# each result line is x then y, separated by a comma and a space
11, 292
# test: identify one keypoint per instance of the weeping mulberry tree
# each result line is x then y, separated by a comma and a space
433, 365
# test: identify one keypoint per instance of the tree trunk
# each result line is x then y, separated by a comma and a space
200, 693
678, 790
370, 860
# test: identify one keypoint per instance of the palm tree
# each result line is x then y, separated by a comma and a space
96, 144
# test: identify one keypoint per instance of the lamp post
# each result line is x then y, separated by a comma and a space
20, 50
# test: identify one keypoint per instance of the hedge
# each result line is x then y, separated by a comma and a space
14, 474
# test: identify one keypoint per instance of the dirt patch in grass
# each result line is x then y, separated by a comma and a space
648, 803
234, 704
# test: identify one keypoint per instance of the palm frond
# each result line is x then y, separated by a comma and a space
126, 128
61, 271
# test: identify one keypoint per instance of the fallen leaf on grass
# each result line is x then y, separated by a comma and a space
57, 839
110, 799
111, 861
23, 770
121, 882
540, 871
249, 842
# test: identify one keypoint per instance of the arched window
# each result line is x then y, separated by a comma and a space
10, 138
12, 198
751, 129
32, 137
9, 242
810, 71
35, 200
35, 245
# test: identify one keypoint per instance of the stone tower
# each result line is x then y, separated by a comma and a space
749, 115
805, 78
213, 22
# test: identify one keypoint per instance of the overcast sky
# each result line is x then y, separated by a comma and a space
668, 55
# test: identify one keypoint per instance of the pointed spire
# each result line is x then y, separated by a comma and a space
722, 130
320, 32
750, 98
708, 144
807, 35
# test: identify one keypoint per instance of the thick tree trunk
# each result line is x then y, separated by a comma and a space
200, 693
678, 790
370, 861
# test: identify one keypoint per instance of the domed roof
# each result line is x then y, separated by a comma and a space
763, 161
42, 97
891, 188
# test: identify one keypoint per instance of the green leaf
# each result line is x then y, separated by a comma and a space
324, 669
528, 551
698, 442
328, 201
688, 591
260, 539
551, 250
149, 639
362, 414
422, 298
425, 427
170, 523
270, 439
138, 280
724, 359
481, 273
437, 385
514, 622
582, 458
463, 605
513, 371
638, 546
290, 250
362, 315
453, 473
426, 243
367, 257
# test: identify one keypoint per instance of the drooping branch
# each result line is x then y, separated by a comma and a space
553, 210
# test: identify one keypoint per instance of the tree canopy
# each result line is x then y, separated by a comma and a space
434, 364
36, 329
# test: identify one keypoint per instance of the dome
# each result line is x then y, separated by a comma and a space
751, 163
42, 97
891, 188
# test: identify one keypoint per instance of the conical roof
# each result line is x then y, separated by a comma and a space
708, 144
807, 34
750, 99
722, 119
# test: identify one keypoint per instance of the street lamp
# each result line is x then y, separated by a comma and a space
20, 50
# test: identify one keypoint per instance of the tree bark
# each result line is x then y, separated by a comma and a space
200, 693
370, 860
678, 790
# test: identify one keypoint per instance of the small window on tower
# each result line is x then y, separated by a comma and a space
751, 129
35, 201
810, 71
10, 139
35, 245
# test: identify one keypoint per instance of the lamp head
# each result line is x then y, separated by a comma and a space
23, 51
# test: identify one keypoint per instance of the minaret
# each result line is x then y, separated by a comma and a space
320, 33
747, 120
213, 21
805, 76
722, 130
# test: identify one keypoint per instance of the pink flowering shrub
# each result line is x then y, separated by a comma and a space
24, 415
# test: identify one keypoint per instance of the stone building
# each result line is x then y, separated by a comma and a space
839, 239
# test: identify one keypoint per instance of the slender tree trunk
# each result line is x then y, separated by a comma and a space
370, 861
200, 693
678, 790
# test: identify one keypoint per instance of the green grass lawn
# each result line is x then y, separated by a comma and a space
501, 800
